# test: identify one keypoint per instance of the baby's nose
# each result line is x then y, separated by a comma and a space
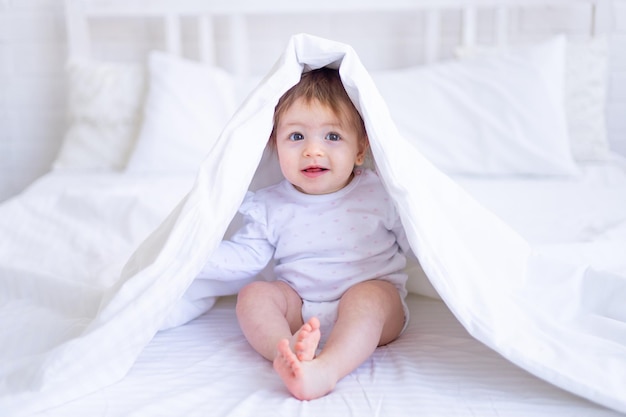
313, 148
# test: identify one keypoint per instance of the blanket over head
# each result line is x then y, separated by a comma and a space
563, 323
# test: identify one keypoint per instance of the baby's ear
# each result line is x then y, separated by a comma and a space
360, 157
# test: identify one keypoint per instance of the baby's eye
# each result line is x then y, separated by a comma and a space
333, 137
296, 136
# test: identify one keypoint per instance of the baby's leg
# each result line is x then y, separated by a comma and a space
269, 312
370, 314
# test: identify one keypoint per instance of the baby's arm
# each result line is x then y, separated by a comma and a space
241, 257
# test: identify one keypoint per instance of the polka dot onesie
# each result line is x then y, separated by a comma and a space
322, 244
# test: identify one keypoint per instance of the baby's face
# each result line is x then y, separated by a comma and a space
317, 150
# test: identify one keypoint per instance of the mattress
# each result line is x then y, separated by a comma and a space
435, 368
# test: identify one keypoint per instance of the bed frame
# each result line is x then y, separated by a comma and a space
472, 16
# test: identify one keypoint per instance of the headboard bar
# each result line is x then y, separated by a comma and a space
236, 14
601, 18
468, 37
501, 26
241, 49
432, 33
206, 39
78, 38
173, 43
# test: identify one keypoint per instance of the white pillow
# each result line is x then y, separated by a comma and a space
188, 104
586, 81
486, 115
104, 106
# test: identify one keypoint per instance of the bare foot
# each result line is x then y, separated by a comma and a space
306, 380
307, 339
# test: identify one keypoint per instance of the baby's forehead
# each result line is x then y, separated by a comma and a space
338, 108
314, 113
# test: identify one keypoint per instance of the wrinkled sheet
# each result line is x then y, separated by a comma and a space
207, 368
63, 243
561, 319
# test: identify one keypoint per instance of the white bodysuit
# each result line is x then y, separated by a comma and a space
321, 244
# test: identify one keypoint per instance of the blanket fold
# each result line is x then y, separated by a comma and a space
503, 292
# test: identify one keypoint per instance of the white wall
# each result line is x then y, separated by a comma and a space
32, 82
32, 115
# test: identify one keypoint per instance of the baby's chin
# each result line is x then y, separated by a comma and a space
318, 191
311, 191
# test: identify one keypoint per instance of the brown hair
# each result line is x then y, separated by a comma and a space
324, 85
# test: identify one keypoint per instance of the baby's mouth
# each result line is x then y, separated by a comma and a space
314, 171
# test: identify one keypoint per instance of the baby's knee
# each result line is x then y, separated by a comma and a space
263, 292
375, 293
253, 292
375, 287
249, 290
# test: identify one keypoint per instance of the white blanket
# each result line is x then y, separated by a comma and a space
562, 322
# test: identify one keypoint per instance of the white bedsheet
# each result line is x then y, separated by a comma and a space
558, 210
582, 218
206, 368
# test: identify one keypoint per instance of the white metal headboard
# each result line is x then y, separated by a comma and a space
236, 12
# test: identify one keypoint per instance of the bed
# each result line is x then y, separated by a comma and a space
140, 132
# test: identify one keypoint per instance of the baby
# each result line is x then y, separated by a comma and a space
337, 242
